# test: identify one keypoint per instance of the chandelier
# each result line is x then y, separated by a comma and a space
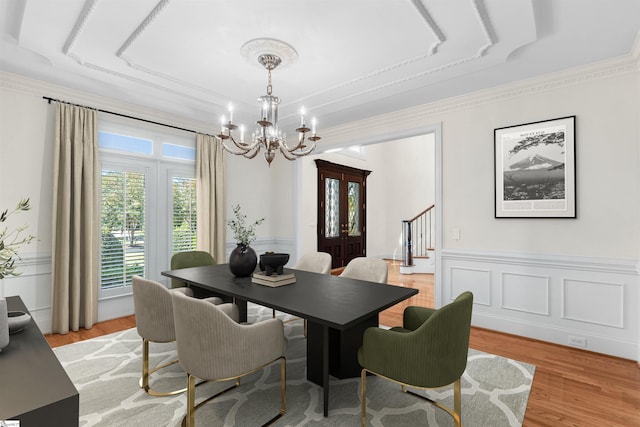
268, 135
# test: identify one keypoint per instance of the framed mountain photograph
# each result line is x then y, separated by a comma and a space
535, 171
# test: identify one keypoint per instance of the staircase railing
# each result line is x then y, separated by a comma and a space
417, 236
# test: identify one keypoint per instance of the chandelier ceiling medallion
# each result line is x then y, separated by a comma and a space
268, 136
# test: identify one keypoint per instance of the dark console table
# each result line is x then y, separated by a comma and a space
34, 388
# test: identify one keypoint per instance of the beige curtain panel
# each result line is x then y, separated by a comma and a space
76, 232
210, 194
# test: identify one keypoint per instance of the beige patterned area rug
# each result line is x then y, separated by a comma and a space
106, 371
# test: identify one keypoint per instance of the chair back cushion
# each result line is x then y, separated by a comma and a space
187, 260
315, 262
433, 355
153, 310
363, 268
212, 346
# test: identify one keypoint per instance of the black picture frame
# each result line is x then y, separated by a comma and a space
535, 169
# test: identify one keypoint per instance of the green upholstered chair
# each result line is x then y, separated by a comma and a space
430, 350
189, 259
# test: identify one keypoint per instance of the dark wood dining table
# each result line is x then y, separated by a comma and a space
337, 309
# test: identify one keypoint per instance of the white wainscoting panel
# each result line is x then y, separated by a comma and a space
593, 302
589, 303
525, 292
475, 280
33, 285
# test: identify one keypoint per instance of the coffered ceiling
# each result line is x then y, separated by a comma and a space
344, 59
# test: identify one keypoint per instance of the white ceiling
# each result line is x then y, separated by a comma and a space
355, 58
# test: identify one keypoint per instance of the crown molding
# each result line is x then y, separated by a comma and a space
384, 124
407, 118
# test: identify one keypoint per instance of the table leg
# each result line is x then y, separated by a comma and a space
242, 309
325, 369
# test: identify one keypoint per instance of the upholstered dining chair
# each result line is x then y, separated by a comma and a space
154, 322
364, 268
315, 262
430, 350
213, 347
189, 259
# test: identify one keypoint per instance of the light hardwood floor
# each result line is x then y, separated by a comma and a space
571, 387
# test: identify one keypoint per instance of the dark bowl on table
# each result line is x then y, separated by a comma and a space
272, 263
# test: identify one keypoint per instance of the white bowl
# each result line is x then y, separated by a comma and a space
17, 320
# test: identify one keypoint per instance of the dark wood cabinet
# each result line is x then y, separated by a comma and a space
34, 388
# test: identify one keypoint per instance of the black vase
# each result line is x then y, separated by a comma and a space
242, 261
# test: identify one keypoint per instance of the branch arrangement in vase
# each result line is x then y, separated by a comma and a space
243, 233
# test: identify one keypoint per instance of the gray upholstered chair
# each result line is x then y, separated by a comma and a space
430, 350
315, 262
363, 268
213, 347
154, 321
189, 259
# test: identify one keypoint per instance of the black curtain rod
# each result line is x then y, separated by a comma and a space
124, 115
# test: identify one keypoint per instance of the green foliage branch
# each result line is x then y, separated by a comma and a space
243, 233
12, 240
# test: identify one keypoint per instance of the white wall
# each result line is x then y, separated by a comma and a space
551, 279
401, 186
26, 171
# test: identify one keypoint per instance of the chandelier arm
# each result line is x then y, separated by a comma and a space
305, 152
302, 149
299, 145
251, 155
243, 145
241, 152
287, 155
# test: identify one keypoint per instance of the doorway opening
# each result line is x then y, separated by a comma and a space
386, 193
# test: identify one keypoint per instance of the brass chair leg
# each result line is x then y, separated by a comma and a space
363, 396
457, 404
456, 412
292, 320
283, 392
189, 419
191, 400
144, 380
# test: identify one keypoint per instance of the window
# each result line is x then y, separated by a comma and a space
122, 222
184, 214
148, 203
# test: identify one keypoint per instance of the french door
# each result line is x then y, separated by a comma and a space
342, 217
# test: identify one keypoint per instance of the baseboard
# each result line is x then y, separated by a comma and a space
559, 336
